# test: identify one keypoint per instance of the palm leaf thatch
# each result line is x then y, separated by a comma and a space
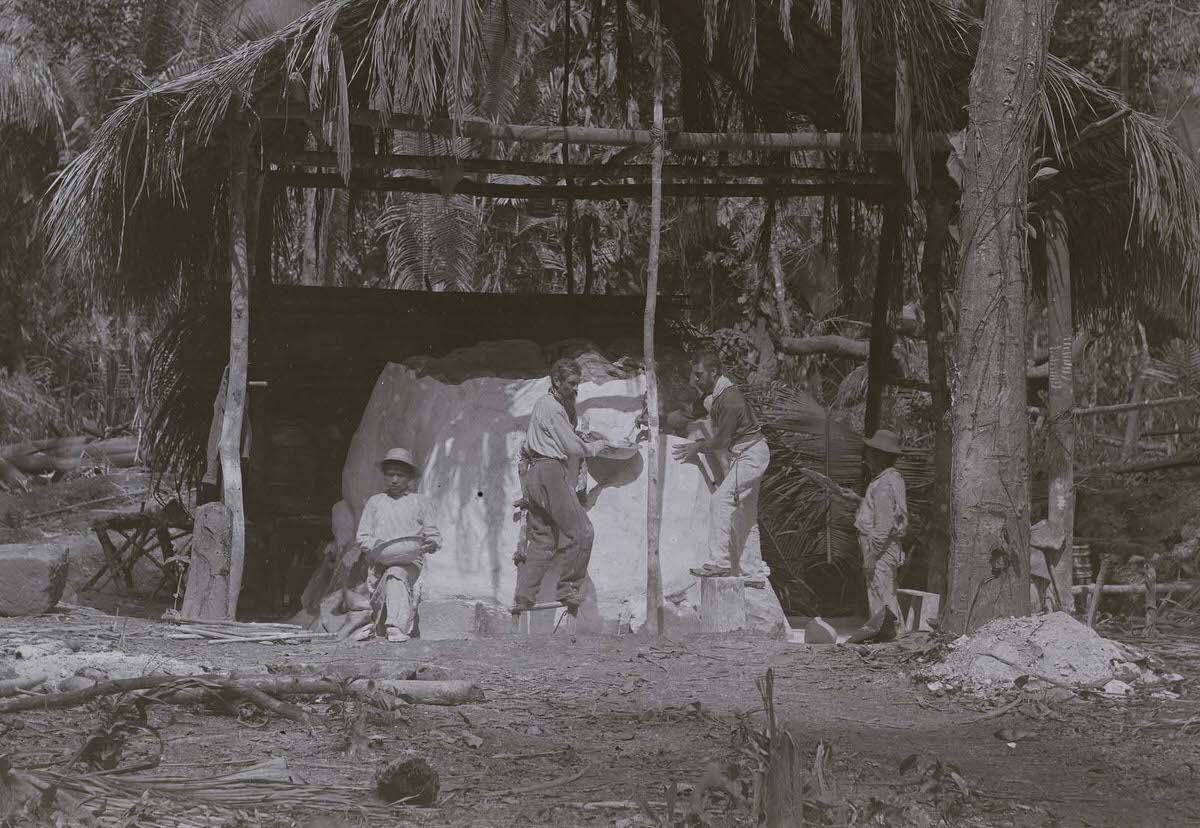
1128, 189
143, 206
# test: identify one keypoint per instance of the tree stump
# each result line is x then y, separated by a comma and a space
722, 604
206, 597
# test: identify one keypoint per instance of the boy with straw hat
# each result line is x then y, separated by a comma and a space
396, 532
882, 521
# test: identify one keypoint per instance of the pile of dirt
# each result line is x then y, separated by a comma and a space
1055, 647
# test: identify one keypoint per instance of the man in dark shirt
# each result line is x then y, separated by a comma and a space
733, 540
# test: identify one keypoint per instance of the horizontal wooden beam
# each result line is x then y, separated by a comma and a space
828, 344
585, 192
1135, 406
1135, 589
599, 136
555, 172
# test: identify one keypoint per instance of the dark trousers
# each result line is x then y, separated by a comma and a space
556, 525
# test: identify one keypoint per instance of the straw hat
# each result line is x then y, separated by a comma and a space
886, 441
399, 455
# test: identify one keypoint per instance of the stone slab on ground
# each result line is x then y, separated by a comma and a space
32, 577
818, 631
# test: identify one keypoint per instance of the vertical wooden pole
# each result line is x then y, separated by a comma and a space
239, 340
776, 265
937, 222
569, 241
846, 253
589, 270
1060, 448
654, 609
886, 275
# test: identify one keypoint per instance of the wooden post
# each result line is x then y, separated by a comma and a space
239, 340
881, 337
1133, 418
1060, 448
937, 221
773, 261
569, 241
654, 608
847, 253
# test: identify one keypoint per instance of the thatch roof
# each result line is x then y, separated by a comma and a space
144, 204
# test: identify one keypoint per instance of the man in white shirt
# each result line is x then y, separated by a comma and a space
396, 531
556, 522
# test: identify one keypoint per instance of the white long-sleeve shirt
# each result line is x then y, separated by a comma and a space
385, 518
882, 517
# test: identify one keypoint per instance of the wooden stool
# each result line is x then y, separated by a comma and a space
722, 604
918, 608
522, 617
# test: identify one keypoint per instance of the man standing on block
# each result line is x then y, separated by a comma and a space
395, 533
733, 542
882, 521
556, 522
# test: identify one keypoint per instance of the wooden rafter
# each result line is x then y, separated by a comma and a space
600, 136
869, 191
555, 172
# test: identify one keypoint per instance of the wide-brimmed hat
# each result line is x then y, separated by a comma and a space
399, 455
886, 441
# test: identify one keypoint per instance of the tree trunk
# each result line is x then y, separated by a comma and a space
1060, 448
886, 276
654, 609
1139, 386
239, 340
308, 256
589, 272
937, 220
569, 236
989, 536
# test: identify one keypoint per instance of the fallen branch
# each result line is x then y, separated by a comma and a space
373, 691
13, 687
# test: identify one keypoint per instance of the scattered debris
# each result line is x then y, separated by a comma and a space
1116, 687
410, 781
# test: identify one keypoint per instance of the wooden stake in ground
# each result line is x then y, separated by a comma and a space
1060, 448
990, 459
654, 609
239, 341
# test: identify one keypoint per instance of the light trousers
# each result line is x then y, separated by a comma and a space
733, 538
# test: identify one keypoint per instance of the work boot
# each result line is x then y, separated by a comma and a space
711, 571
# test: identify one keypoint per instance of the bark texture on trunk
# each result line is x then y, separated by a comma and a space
1060, 448
989, 564
654, 608
239, 342
937, 220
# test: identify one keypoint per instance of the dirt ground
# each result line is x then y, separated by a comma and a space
620, 718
